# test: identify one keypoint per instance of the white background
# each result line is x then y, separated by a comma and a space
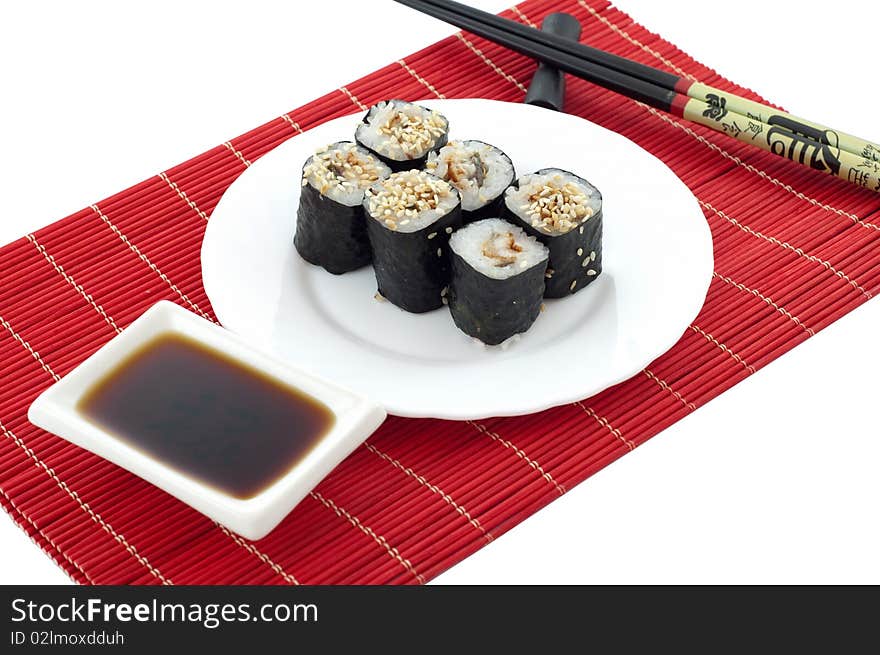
774, 481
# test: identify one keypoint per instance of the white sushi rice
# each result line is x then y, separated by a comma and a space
478, 170
497, 249
410, 200
401, 130
553, 202
342, 172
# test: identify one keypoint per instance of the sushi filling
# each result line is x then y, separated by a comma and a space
479, 171
497, 249
553, 202
401, 130
410, 201
343, 171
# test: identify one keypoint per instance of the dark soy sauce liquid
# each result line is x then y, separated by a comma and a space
207, 416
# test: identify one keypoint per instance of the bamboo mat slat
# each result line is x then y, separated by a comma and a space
794, 251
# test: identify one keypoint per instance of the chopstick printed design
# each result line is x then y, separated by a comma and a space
788, 244
817, 146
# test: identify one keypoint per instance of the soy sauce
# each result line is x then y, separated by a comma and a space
207, 416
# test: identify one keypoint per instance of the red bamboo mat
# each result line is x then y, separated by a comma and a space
794, 250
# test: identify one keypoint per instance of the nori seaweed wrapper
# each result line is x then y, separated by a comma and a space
412, 269
567, 272
494, 310
397, 165
331, 234
491, 209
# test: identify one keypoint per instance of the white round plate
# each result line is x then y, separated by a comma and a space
657, 268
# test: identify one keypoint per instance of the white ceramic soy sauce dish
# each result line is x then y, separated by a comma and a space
356, 417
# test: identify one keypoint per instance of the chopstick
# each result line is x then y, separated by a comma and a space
811, 144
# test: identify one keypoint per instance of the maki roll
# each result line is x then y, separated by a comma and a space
564, 212
481, 172
330, 226
410, 216
497, 280
401, 133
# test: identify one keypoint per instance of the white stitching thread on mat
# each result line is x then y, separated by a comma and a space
787, 246
353, 98
49, 540
367, 530
515, 9
60, 270
711, 339
182, 195
29, 348
421, 79
258, 553
614, 28
519, 453
491, 64
237, 153
606, 424
292, 123
758, 294
665, 386
146, 260
120, 539
431, 487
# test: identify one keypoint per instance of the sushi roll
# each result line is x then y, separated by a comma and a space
481, 172
497, 280
410, 216
330, 225
564, 212
401, 133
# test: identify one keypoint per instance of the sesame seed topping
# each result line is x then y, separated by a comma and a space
344, 167
585, 262
448, 230
439, 252
592, 255
580, 251
409, 130
403, 196
572, 285
591, 272
554, 203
